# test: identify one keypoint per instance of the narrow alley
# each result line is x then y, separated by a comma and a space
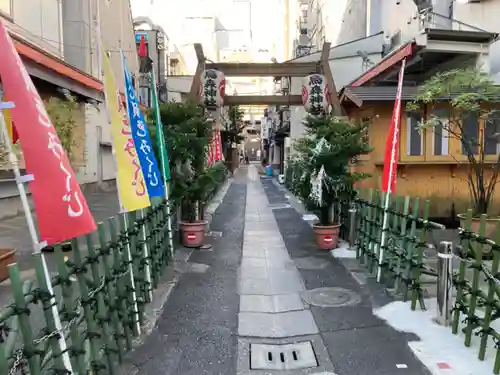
265, 299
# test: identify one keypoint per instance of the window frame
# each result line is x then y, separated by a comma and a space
491, 157
405, 136
431, 136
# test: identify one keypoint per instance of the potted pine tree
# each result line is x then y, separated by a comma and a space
472, 117
320, 174
187, 131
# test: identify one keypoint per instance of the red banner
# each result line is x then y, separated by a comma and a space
210, 154
60, 206
392, 143
218, 146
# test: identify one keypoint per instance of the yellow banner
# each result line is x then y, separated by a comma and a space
131, 184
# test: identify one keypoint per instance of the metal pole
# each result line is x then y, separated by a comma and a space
444, 284
37, 246
352, 227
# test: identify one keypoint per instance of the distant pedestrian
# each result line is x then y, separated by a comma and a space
246, 159
258, 154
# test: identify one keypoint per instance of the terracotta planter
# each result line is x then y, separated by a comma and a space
490, 230
6, 258
327, 237
193, 233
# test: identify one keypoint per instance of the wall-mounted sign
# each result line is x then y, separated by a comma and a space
140, 34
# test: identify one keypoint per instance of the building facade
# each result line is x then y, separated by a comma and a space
157, 51
57, 41
431, 37
403, 20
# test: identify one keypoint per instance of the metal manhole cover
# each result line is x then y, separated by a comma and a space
331, 297
311, 263
278, 206
282, 357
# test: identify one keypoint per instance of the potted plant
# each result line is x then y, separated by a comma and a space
474, 121
187, 131
319, 171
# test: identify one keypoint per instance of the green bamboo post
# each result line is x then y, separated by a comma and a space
416, 293
478, 257
164, 234
359, 218
369, 228
408, 257
374, 230
146, 256
382, 248
490, 299
49, 318
110, 347
24, 321
87, 299
393, 253
460, 298
133, 301
70, 312
402, 244
155, 269
120, 270
113, 303
155, 235
136, 257
4, 364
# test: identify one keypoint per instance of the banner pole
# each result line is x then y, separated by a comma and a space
120, 202
37, 246
164, 160
392, 165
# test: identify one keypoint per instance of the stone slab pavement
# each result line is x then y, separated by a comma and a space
357, 342
265, 301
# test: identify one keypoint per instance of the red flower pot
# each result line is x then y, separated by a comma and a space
327, 237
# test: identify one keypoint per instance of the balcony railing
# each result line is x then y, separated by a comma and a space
431, 20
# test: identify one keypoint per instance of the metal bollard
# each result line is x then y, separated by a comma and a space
444, 283
352, 227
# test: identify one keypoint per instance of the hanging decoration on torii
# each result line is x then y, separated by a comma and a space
315, 94
213, 89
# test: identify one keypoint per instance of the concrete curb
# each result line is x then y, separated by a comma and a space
216, 202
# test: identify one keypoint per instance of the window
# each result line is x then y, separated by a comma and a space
440, 139
492, 135
414, 136
6, 7
470, 135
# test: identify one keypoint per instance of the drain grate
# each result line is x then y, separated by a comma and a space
282, 357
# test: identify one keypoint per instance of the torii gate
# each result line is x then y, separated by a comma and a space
285, 69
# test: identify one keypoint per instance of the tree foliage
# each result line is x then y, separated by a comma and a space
472, 95
344, 141
233, 134
187, 132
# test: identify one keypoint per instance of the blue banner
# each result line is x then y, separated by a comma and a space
142, 141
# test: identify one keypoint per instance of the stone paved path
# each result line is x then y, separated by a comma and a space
266, 301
